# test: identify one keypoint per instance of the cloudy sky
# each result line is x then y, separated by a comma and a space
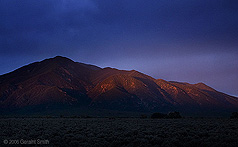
182, 40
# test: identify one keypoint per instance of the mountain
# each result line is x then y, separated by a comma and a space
62, 83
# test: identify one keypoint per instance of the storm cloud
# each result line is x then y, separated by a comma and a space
182, 40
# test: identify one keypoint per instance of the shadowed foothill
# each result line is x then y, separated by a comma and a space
172, 115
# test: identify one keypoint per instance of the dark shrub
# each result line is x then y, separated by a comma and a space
74, 116
174, 115
113, 118
234, 115
85, 116
48, 116
143, 116
158, 115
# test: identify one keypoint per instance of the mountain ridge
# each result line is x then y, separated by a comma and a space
61, 81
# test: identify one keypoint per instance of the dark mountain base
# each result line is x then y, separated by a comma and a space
82, 111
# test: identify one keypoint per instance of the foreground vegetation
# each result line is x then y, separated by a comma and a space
119, 131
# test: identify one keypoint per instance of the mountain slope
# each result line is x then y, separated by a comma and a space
52, 80
61, 81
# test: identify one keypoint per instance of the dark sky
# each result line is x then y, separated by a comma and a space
182, 40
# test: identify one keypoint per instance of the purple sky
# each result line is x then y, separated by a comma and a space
182, 40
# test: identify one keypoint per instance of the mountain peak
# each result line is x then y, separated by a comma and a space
200, 83
60, 58
203, 86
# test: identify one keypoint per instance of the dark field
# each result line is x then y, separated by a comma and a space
119, 132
